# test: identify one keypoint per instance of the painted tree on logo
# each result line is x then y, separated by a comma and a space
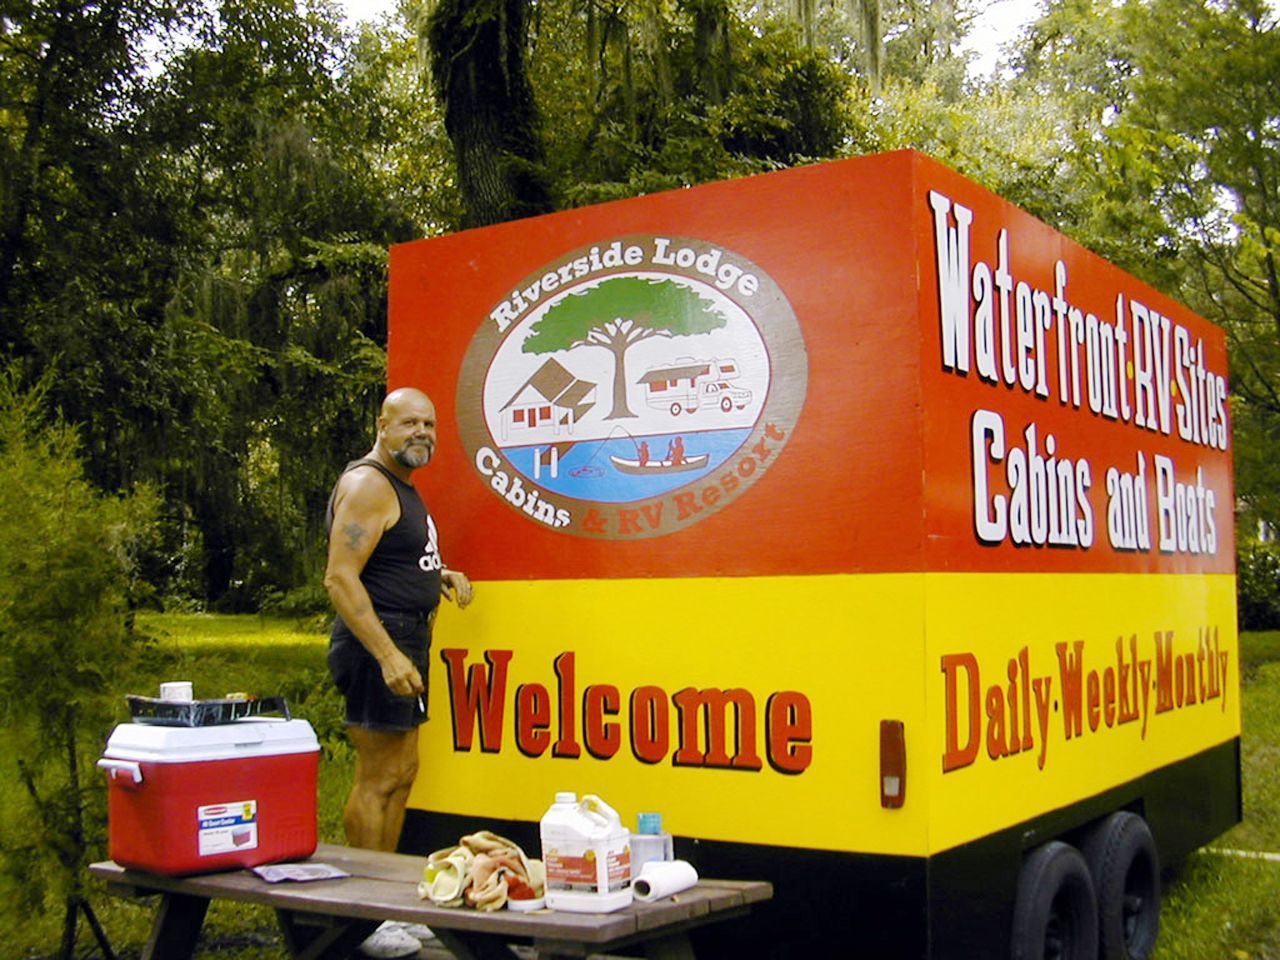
616, 315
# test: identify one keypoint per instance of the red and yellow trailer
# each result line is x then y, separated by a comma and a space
872, 531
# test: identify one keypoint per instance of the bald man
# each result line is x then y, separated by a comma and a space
385, 578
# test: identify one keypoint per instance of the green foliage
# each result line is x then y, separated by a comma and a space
279, 310
1209, 118
623, 310
66, 579
788, 105
199, 254
649, 97
65, 71
1258, 585
306, 601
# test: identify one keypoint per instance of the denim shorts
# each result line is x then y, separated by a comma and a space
370, 702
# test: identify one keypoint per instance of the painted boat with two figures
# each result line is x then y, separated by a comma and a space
636, 466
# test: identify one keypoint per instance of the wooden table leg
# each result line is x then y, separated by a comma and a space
176, 927
308, 937
677, 946
475, 946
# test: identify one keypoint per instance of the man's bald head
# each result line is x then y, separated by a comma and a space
407, 427
401, 396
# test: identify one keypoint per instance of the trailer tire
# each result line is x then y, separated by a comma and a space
1125, 868
1055, 915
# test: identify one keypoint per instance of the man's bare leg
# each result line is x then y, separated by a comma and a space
385, 766
386, 763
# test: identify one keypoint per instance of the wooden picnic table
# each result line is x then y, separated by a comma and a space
330, 918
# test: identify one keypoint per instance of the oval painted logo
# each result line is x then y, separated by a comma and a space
632, 387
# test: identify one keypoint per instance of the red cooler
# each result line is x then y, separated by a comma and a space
195, 799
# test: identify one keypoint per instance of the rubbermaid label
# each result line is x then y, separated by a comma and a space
227, 827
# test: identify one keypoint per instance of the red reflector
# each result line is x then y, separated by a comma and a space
893, 764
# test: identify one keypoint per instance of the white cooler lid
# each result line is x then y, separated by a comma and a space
250, 737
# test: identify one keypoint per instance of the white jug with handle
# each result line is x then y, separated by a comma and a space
587, 854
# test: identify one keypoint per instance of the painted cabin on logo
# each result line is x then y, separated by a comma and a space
552, 396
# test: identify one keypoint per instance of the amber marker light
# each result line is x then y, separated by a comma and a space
893, 764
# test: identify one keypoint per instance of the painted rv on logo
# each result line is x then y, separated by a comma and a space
693, 385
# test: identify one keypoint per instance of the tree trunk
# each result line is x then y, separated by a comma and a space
621, 410
653, 42
595, 53
629, 84
73, 856
478, 64
804, 12
869, 22
66, 949
711, 48
23, 176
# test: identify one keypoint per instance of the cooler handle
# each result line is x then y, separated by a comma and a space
115, 766
249, 734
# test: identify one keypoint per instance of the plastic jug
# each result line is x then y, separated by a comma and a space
587, 854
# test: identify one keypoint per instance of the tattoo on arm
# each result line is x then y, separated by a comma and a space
355, 533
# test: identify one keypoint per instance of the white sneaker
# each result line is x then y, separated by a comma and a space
390, 940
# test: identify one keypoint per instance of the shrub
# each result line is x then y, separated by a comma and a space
1258, 586
66, 576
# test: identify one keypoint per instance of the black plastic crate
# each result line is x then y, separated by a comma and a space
202, 713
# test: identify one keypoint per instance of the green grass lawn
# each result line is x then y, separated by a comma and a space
1228, 907
1220, 907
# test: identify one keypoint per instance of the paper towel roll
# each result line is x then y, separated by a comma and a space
662, 878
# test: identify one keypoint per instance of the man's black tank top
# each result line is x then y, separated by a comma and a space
403, 572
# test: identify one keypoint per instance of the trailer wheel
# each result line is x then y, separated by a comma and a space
1125, 868
1055, 916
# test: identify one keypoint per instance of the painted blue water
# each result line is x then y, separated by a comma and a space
586, 472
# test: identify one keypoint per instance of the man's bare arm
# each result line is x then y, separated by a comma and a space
364, 508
